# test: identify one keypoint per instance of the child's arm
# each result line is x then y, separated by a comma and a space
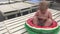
50, 15
35, 18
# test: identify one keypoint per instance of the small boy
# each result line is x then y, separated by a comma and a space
43, 17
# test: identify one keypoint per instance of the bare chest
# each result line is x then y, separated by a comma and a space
43, 15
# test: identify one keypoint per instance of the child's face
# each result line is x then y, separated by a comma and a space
43, 7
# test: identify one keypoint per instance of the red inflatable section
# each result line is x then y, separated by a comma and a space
29, 21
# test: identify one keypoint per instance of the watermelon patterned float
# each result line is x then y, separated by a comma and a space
34, 29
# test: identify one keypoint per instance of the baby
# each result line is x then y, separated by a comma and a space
43, 17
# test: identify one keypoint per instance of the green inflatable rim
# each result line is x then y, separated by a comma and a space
31, 30
42, 28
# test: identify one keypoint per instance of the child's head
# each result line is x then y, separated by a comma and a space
43, 6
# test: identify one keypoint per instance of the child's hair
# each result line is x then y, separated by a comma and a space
43, 5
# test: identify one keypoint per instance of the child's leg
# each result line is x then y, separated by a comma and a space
35, 20
48, 22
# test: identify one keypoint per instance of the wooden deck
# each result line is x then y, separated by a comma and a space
16, 25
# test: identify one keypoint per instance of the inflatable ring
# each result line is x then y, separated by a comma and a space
34, 29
